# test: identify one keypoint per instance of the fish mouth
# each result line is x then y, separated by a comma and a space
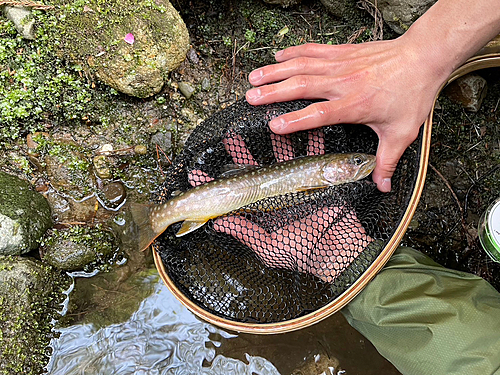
366, 168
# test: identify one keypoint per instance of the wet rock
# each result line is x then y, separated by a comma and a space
78, 248
67, 210
186, 89
68, 170
469, 91
30, 296
160, 44
318, 364
22, 19
24, 216
163, 141
102, 166
112, 196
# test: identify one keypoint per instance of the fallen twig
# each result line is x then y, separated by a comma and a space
378, 27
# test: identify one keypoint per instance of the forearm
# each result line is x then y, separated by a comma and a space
451, 31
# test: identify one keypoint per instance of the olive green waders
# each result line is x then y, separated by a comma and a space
427, 319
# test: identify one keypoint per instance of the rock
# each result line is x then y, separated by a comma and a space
102, 166
22, 19
400, 14
96, 38
193, 56
30, 296
205, 84
283, 3
163, 141
112, 196
318, 364
24, 216
68, 169
78, 248
339, 8
186, 89
140, 149
469, 90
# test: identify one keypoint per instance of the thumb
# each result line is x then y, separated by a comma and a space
388, 155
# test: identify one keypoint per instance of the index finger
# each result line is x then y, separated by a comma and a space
342, 111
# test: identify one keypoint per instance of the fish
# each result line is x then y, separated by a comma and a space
221, 196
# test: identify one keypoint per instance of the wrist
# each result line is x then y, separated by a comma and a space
449, 33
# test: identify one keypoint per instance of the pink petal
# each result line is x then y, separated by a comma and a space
129, 38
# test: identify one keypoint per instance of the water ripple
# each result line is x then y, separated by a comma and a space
161, 337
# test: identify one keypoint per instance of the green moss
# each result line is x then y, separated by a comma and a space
36, 84
30, 294
99, 244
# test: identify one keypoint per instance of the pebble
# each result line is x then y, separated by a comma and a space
112, 195
101, 166
193, 56
205, 84
141, 150
186, 89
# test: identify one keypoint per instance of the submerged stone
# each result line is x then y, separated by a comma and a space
24, 216
30, 297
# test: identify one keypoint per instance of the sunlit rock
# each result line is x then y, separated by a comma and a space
98, 35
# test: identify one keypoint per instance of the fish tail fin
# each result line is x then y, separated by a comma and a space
141, 215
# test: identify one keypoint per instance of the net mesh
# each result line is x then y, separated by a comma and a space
285, 256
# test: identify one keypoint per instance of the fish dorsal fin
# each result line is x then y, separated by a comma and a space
190, 225
230, 170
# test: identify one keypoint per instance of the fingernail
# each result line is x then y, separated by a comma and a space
255, 76
253, 94
278, 54
385, 186
277, 124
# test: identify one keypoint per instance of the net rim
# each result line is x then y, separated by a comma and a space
490, 59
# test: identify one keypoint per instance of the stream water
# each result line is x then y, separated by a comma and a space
138, 327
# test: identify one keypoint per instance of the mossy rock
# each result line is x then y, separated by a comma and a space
79, 248
30, 295
93, 33
25, 216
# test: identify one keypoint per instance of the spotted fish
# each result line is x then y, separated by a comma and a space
218, 197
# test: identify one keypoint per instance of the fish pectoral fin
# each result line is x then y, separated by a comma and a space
190, 225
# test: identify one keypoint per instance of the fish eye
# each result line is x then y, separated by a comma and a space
358, 160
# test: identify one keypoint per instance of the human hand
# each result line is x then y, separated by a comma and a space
322, 242
385, 85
